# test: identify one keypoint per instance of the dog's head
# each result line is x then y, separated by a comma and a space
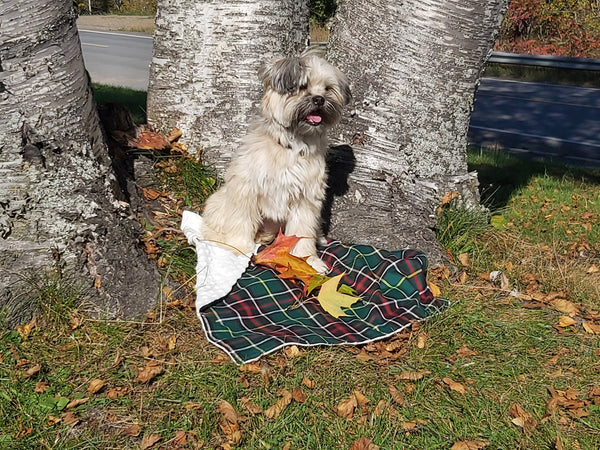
305, 94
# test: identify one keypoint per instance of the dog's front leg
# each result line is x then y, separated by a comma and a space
304, 222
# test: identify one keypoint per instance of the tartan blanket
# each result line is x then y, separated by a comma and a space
263, 313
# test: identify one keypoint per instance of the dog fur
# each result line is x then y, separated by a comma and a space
277, 179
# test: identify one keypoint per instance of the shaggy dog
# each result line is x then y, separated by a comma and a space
277, 179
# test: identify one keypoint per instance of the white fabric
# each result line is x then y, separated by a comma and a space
217, 268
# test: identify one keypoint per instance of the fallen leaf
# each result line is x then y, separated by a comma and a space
422, 340
523, 419
180, 438
76, 321
133, 430
449, 197
397, 396
435, 290
455, 386
413, 376
465, 351
149, 140
564, 306
32, 371
252, 408
331, 300
251, 368
347, 407
593, 269
230, 423
277, 256
469, 445
152, 369
308, 383
151, 194
117, 392
228, 411
76, 402
298, 395
274, 411
25, 330
23, 431
150, 440
292, 351
95, 385
566, 321
41, 387
363, 443
463, 258
591, 328
69, 418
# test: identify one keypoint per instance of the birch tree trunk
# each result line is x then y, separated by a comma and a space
60, 207
414, 66
203, 76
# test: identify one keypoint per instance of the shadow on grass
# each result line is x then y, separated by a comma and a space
501, 174
134, 100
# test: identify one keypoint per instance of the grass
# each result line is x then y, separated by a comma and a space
586, 78
502, 349
133, 99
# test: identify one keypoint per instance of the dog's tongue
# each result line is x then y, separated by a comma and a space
313, 118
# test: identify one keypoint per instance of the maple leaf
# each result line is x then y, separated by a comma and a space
331, 300
277, 256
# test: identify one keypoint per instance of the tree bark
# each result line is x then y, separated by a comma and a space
414, 66
203, 76
60, 206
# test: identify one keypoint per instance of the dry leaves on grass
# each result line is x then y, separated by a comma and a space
363, 443
150, 440
95, 386
274, 411
346, 408
230, 422
455, 386
523, 419
470, 445
413, 376
151, 370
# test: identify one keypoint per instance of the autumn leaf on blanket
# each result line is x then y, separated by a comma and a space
331, 300
277, 256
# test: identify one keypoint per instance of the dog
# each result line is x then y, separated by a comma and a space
277, 179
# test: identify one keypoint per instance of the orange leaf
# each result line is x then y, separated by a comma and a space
277, 257
149, 140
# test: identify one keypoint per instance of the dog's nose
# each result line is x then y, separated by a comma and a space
318, 100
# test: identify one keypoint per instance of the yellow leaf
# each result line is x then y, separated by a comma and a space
464, 259
25, 330
564, 306
591, 328
566, 321
331, 300
435, 290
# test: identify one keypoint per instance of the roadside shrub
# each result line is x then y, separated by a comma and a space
552, 27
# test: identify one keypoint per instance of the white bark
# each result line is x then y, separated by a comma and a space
58, 196
203, 76
414, 67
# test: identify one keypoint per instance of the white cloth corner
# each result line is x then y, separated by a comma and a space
217, 268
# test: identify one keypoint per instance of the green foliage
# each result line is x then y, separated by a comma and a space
321, 10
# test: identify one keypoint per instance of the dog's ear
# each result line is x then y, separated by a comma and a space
284, 75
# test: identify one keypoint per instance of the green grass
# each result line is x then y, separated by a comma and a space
133, 99
516, 351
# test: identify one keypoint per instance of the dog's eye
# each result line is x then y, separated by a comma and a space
303, 86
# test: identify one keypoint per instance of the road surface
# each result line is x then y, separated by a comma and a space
535, 119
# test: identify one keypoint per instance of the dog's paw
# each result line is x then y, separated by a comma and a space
318, 264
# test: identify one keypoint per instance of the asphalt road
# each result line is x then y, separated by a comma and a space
535, 119
117, 59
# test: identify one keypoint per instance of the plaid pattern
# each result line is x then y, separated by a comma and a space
263, 313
